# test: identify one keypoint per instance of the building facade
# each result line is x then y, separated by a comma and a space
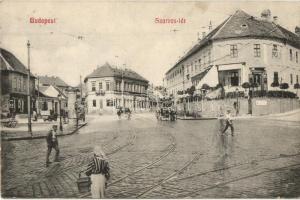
48, 88
241, 49
14, 84
108, 88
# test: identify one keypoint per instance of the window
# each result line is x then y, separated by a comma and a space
196, 66
297, 79
291, 55
296, 57
14, 83
109, 102
20, 83
93, 86
107, 86
276, 79
94, 103
291, 78
200, 63
100, 86
256, 50
44, 106
209, 57
234, 79
233, 51
275, 51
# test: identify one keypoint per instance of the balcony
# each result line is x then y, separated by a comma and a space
100, 93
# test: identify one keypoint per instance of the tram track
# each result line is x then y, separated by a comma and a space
195, 192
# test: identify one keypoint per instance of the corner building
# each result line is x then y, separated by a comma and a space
110, 87
242, 49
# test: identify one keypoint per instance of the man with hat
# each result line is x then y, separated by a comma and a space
52, 142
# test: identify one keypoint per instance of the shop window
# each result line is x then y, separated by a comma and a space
44, 106
94, 103
257, 79
276, 79
233, 51
234, 79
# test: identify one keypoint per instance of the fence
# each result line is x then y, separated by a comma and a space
259, 106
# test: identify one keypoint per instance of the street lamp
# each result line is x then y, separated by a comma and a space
28, 91
59, 101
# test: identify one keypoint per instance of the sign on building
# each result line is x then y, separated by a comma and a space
261, 102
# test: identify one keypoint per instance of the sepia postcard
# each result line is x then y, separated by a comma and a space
150, 99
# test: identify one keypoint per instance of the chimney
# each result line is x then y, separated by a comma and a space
198, 35
210, 26
297, 30
275, 19
203, 34
266, 15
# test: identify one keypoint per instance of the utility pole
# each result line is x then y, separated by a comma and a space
122, 74
28, 91
80, 90
38, 104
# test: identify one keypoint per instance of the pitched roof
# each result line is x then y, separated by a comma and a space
9, 62
243, 25
107, 70
52, 80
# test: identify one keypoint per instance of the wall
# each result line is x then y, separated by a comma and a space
260, 106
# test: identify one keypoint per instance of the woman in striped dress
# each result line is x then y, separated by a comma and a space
98, 169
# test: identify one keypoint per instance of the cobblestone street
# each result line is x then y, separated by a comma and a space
151, 159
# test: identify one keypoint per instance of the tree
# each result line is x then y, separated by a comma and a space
284, 86
246, 85
275, 84
191, 90
205, 87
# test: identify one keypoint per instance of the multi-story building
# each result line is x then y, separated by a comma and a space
242, 49
14, 82
108, 88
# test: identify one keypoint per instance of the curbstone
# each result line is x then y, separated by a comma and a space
42, 136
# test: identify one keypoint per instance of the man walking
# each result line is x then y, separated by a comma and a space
228, 119
52, 143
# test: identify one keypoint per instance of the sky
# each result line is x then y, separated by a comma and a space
122, 33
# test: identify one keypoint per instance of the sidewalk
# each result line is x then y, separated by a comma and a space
39, 130
293, 116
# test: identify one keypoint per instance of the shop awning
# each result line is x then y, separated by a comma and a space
210, 78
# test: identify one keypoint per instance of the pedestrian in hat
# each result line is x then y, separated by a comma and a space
98, 169
52, 142
228, 119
